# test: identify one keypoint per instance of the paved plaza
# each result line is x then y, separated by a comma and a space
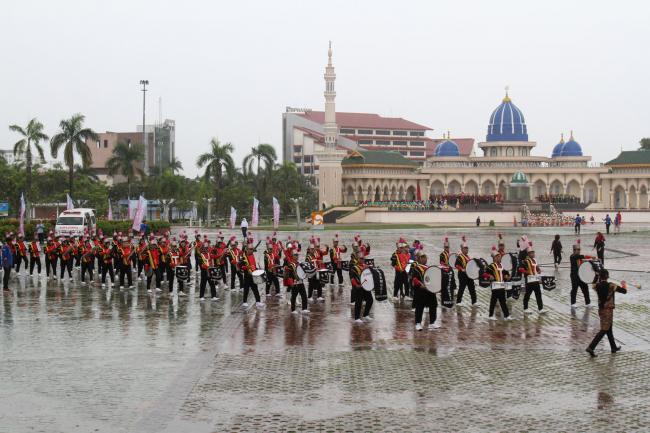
83, 359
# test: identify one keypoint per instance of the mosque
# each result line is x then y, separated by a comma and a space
504, 164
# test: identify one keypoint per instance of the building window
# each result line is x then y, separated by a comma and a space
399, 143
307, 169
105, 144
493, 151
417, 153
297, 159
308, 158
417, 143
297, 149
510, 151
347, 131
382, 132
382, 142
365, 141
99, 144
365, 131
399, 133
417, 133
128, 143
404, 152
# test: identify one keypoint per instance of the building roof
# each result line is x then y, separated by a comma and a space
366, 120
519, 177
631, 157
447, 148
465, 145
507, 123
377, 157
571, 148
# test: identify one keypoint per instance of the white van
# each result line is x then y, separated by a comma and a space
76, 222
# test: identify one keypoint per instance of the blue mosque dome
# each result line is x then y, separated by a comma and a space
507, 123
557, 150
447, 148
571, 148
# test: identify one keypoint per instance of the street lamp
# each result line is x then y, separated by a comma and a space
144, 84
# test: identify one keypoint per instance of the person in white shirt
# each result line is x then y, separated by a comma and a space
244, 227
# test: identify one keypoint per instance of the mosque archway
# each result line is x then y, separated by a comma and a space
437, 188
539, 188
488, 188
619, 198
632, 196
360, 193
590, 194
573, 189
410, 193
377, 194
393, 193
386, 195
502, 189
471, 187
643, 197
349, 195
401, 193
369, 193
557, 188
453, 187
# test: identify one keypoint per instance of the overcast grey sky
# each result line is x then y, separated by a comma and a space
228, 69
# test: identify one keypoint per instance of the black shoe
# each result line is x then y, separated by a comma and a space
616, 349
590, 351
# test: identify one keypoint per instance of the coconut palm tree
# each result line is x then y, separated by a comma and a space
72, 139
175, 165
124, 161
262, 152
217, 161
32, 135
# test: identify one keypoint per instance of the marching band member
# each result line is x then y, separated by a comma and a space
463, 280
271, 264
359, 294
292, 281
221, 249
556, 250
7, 262
522, 244
77, 247
125, 254
314, 281
234, 255
421, 296
179, 257
496, 273
248, 265
204, 264
141, 253
97, 243
107, 262
184, 253
34, 255
530, 270
65, 254
576, 260
87, 261
20, 253
166, 270
50, 257
335, 258
398, 261
501, 245
152, 264
447, 296
172, 262
606, 292
599, 245
196, 245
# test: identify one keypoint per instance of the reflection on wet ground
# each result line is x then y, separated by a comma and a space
75, 358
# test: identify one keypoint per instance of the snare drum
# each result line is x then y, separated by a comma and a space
259, 276
369, 261
324, 276
345, 265
214, 274
182, 273
548, 282
407, 269
433, 279
513, 289
305, 270
498, 285
589, 271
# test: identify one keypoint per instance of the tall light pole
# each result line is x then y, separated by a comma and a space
145, 83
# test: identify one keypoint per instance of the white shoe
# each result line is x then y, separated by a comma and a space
201, 299
158, 289
587, 305
245, 305
103, 284
509, 318
305, 311
475, 304
268, 295
575, 306
368, 318
259, 304
278, 295
492, 318
131, 287
148, 290
418, 327
395, 299
358, 321
214, 298
320, 298
70, 279
542, 311
181, 293
528, 311
352, 303
294, 312
121, 287
434, 325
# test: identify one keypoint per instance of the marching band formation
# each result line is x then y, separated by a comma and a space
123, 258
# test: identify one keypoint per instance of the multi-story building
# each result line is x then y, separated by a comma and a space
160, 139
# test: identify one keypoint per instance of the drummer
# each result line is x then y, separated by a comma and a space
205, 262
271, 264
359, 294
313, 257
335, 258
463, 280
248, 266
496, 274
292, 281
447, 293
422, 297
530, 270
399, 260
576, 259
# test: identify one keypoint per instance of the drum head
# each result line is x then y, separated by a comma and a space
258, 273
473, 269
367, 280
452, 259
586, 273
301, 272
433, 279
507, 262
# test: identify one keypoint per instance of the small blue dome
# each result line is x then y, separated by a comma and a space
571, 148
557, 150
447, 148
507, 123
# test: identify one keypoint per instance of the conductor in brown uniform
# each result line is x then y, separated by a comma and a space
606, 292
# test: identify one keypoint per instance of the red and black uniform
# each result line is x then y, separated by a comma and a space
463, 280
421, 296
87, 261
335, 258
248, 265
271, 264
313, 282
77, 249
34, 257
66, 255
165, 266
197, 252
359, 294
126, 253
530, 270
20, 254
152, 266
106, 253
205, 262
141, 252
234, 256
576, 260
398, 261
449, 280
494, 272
174, 260
221, 259
97, 255
51, 257
296, 285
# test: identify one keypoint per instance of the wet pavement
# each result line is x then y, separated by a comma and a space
80, 359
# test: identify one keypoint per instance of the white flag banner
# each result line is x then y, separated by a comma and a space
21, 228
110, 211
139, 213
276, 213
233, 217
256, 212
70, 204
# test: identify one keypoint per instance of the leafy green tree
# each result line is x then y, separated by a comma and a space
124, 162
72, 139
32, 135
217, 162
644, 144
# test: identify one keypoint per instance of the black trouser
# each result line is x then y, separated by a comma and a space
314, 284
557, 258
141, 266
224, 273
576, 228
134, 262
465, 282
423, 298
19, 260
243, 232
100, 265
77, 260
41, 238
499, 295
34, 260
249, 284
66, 265
234, 272
536, 288
126, 270
295, 290
171, 275
108, 267
167, 272
575, 283
158, 275
197, 260
5, 278
205, 280
601, 255
272, 280
50, 264
401, 284
338, 271
607, 228
361, 295
600, 335
87, 267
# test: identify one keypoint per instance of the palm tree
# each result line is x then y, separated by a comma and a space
72, 139
124, 162
261, 152
32, 135
216, 161
175, 165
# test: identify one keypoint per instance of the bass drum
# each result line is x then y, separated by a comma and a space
381, 294
588, 271
510, 263
324, 276
452, 259
475, 267
433, 279
513, 290
259, 276
367, 280
548, 282
369, 261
